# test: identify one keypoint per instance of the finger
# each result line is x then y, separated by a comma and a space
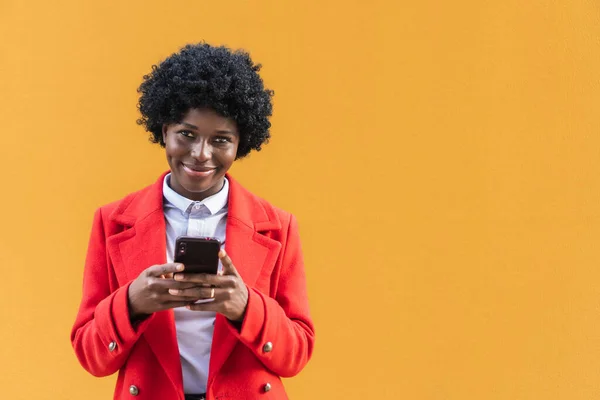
175, 304
167, 300
228, 267
207, 279
193, 293
201, 293
164, 269
158, 285
214, 305
172, 284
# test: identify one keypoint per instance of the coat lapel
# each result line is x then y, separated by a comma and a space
253, 254
140, 245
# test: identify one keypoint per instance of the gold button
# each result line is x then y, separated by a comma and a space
268, 347
133, 390
112, 346
267, 387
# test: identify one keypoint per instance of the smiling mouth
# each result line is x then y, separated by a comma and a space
198, 168
197, 171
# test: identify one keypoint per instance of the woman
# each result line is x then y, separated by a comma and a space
140, 313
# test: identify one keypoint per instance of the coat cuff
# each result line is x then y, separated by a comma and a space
113, 321
253, 325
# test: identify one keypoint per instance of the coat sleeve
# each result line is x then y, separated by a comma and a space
283, 321
102, 335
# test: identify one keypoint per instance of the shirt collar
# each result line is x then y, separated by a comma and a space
213, 203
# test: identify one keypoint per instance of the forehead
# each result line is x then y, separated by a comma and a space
208, 120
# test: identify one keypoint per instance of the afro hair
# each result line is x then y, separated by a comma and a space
205, 76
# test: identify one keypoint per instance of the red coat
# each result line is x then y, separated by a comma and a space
263, 242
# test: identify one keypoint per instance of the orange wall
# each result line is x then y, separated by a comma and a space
442, 158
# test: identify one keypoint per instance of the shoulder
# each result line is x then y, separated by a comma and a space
125, 201
285, 217
255, 207
135, 205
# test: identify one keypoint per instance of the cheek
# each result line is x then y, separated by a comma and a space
173, 149
233, 152
230, 157
169, 152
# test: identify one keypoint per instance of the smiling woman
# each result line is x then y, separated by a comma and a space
172, 333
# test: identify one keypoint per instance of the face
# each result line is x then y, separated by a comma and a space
200, 150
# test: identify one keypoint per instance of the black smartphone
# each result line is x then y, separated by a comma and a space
198, 254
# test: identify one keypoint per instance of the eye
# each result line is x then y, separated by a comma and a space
187, 134
223, 139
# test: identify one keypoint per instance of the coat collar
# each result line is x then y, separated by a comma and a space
142, 243
244, 207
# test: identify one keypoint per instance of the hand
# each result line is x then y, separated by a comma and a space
149, 292
229, 290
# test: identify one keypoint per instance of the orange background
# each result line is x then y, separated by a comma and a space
442, 158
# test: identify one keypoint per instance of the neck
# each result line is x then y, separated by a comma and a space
195, 196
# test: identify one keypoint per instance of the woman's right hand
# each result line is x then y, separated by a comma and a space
149, 292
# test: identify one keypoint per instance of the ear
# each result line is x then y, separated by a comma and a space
164, 132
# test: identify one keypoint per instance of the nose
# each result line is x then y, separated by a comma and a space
201, 151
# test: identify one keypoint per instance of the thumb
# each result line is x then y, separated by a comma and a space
164, 269
228, 267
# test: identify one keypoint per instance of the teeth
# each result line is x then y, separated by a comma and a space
199, 170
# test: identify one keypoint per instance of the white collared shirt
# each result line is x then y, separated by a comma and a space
206, 218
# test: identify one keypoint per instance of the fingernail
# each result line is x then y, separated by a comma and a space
180, 267
173, 291
221, 253
178, 277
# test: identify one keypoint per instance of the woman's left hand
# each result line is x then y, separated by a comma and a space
228, 290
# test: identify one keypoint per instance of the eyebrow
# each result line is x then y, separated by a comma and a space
220, 131
189, 125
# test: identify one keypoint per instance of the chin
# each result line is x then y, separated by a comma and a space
199, 185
